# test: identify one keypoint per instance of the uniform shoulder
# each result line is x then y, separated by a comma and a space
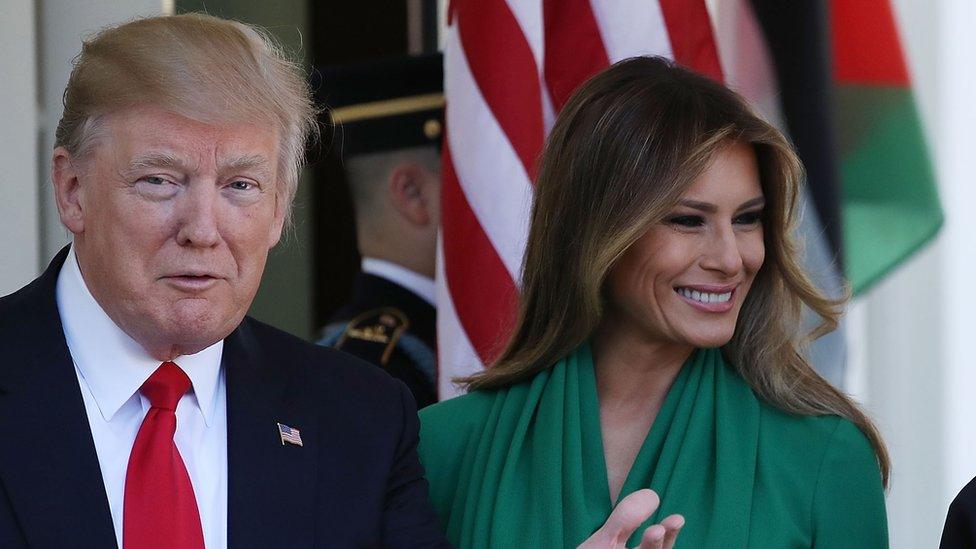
372, 334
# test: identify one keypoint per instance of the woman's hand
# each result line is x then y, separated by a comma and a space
629, 514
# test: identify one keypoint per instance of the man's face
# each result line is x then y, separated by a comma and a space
173, 220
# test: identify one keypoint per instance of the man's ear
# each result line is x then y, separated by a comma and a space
65, 175
406, 192
278, 223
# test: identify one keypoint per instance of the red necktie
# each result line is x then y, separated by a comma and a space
160, 510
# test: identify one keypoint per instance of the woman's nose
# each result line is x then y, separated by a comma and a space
722, 252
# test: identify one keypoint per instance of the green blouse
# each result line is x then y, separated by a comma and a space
524, 466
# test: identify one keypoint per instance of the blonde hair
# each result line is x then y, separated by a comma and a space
624, 149
202, 67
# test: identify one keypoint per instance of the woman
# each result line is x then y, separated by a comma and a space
658, 343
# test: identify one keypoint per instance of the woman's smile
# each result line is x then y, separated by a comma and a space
718, 299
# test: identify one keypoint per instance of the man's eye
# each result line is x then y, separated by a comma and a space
156, 187
241, 185
686, 221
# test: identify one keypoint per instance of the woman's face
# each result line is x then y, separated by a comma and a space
685, 280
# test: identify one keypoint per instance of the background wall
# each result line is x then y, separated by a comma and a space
20, 246
60, 27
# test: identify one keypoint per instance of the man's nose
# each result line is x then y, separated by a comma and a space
722, 252
197, 216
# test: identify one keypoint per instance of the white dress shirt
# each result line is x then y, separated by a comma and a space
111, 367
415, 282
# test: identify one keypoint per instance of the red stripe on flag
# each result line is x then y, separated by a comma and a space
505, 71
574, 47
865, 42
481, 289
690, 33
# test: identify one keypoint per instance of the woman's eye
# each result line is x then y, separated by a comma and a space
686, 221
749, 218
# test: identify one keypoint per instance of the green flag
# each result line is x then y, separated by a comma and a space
890, 204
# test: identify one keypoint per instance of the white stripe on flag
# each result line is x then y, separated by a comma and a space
489, 171
631, 27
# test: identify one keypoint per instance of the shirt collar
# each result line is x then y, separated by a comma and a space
415, 282
113, 364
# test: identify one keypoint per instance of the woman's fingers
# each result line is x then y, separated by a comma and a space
632, 511
626, 517
672, 526
629, 514
663, 535
653, 537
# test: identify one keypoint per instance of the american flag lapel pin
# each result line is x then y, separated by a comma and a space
289, 435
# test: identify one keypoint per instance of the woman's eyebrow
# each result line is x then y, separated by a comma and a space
758, 201
708, 207
696, 205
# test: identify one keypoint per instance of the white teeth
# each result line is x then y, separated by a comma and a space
705, 297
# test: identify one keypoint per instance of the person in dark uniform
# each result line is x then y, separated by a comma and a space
959, 531
388, 117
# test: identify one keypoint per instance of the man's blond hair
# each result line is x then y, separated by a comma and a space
202, 67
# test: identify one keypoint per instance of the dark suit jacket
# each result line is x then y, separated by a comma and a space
357, 481
960, 526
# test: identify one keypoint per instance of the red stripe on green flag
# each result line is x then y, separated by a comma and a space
866, 45
890, 203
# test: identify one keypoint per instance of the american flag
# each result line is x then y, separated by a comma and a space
509, 66
289, 435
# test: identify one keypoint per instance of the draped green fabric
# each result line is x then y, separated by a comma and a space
524, 466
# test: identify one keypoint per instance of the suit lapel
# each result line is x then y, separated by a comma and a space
271, 486
48, 464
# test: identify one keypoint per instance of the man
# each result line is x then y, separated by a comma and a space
388, 116
959, 531
139, 406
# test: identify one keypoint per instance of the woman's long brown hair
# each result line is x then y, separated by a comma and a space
624, 149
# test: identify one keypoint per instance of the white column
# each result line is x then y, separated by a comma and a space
916, 372
903, 343
19, 238
63, 24
957, 93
